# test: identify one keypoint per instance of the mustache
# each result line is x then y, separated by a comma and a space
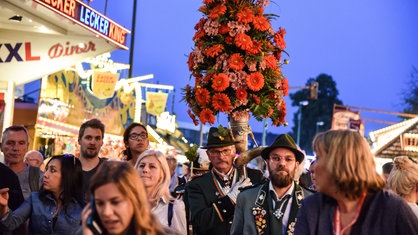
281, 168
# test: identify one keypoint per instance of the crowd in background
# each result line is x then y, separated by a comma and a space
142, 192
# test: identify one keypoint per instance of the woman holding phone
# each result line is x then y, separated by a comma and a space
120, 204
56, 208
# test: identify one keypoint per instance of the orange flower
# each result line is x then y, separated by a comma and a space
279, 38
255, 81
221, 102
241, 94
285, 86
203, 9
245, 15
243, 41
271, 62
236, 62
261, 23
206, 116
217, 11
214, 50
199, 34
202, 96
255, 49
220, 82
208, 1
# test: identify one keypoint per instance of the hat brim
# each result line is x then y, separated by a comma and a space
298, 154
219, 145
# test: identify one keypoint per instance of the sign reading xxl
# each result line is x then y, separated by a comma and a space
84, 15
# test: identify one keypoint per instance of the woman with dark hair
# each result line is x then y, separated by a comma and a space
136, 142
351, 198
120, 203
56, 208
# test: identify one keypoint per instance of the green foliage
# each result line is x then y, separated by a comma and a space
191, 154
410, 95
319, 110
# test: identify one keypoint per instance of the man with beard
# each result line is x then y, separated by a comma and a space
271, 208
90, 139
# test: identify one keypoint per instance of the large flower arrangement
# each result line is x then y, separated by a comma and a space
236, 63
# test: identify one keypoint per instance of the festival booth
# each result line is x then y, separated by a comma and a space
73, 95
400, 139
42, 37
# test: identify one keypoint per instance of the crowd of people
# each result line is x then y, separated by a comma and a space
142, 193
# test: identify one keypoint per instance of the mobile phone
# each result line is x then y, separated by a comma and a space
93, 221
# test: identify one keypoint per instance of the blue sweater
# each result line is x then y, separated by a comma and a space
383, 213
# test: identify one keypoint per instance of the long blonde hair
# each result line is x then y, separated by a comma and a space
403, 178
349, 161
127, 180
162, 190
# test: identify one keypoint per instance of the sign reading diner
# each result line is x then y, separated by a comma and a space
89, 18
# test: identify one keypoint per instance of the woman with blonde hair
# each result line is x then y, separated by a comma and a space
403, 180
351, 198
153, 169
119, 204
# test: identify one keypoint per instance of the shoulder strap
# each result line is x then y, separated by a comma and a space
170, 212
33, 178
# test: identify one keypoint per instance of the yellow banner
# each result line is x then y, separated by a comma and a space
156, 102
103, 85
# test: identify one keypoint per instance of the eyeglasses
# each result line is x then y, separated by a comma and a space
69, 156
219, 152
277, 158
136, 136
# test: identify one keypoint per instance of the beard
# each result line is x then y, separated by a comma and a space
280, 180
86, 153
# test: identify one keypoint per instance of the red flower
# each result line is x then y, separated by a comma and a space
206, 116
245, 15
202, 96
236, 62
241, 94
279, 38
261, 23
214, 50
285, 86
223, 29
193, 117
256, 99
271, 62
255, 81
199, 34
221, 102
220, 82
243, 41
217, 11
190, 61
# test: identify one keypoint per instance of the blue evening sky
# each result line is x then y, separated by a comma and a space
367, 46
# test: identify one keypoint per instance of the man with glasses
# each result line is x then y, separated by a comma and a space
271, 208
90, 139
212, 196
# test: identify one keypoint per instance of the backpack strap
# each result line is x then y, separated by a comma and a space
33, 178
170, 212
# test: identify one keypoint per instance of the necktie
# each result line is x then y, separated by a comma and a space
280, 207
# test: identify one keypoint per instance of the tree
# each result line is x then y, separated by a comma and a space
410, 96
318, 111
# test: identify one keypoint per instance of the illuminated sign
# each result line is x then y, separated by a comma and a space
409, 142
89, 18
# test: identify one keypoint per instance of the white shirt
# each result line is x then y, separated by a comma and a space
286, 215
178, 221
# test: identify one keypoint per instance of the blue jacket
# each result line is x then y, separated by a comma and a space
40, 214
383, 213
